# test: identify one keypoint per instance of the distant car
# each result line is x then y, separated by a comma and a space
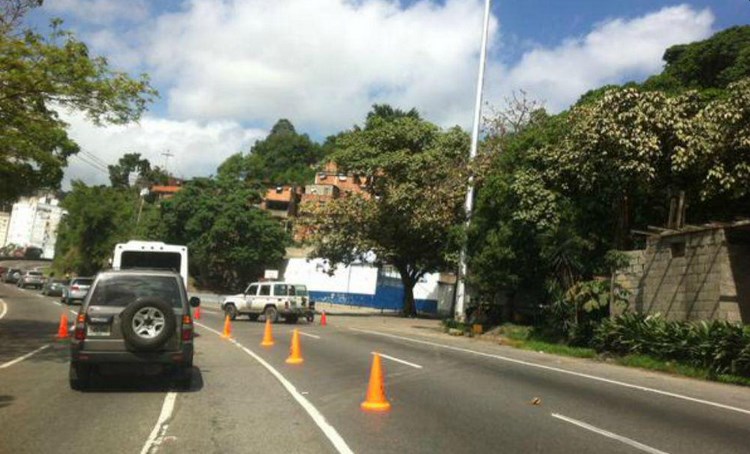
12, 275
54, 287
77, 290
31, 279
135, 318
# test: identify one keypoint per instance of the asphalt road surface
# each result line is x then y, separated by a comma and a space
447, 395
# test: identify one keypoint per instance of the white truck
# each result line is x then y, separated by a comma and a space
271, 299
151, 255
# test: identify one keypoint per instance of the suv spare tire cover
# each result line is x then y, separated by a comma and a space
142, 343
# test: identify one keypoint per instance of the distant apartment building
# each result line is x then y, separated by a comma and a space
282, 202
164, 192
34, 222
4, 224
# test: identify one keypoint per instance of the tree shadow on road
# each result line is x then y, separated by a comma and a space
6, 400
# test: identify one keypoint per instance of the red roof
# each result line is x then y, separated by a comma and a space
165, 189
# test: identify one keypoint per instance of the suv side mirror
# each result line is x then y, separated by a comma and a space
195, 301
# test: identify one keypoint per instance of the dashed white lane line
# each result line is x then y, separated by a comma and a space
330, 432
416, 366
21, 358
562, 371
162, 424
309, 335
4, 310
614, 436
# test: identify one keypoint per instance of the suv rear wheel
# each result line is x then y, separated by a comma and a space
271, 314
79, 376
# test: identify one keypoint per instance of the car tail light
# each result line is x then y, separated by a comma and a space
80, 331
74, 287
187, 328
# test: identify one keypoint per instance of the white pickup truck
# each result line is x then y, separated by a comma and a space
271, 299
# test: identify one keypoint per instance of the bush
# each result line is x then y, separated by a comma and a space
718, 347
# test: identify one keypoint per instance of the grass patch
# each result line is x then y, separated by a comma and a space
558, 349
523, 337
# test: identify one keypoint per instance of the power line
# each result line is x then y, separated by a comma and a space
93, 165
95, 158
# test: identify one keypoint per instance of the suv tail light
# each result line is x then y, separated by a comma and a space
80, 331
74, 287
187, 328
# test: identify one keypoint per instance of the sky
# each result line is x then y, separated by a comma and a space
227, 70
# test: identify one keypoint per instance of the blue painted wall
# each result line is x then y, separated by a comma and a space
388, 295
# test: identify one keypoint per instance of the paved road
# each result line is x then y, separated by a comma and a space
448, 395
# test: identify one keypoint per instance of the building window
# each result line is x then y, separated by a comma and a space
678, 249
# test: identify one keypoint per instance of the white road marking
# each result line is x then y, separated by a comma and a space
157, 434
309, 335
608, 434
26, 356
5, 309
416, 366
563, 371
317, 417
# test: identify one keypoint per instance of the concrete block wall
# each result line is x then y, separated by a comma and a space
688, 277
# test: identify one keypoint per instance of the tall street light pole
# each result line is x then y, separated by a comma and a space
461, 284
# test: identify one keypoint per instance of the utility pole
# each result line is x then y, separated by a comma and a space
167, 154
462, 269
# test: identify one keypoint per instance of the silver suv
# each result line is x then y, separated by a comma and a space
271, 299
134, 317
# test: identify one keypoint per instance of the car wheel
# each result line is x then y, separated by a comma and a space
231, 311
271, 314
148, 323
310, 317
79, 376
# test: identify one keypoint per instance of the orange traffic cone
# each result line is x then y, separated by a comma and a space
197, 313
227, 334
62, 331
295, 352
267, 335
323, 319
376, 400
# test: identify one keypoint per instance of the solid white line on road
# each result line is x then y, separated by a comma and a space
161, 424
309, 335
5, 309
563, 371
26, 356
416, 366
317, 417
608, 434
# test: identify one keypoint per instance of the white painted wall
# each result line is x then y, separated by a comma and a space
361, 279
4, 224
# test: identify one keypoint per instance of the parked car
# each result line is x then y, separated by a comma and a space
135, 317
272, 299
54, 287
77, 290
12, 275
31, 279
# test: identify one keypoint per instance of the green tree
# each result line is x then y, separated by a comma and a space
40, 75
713, 63
283, 157
413, 205
231, 241
98, 218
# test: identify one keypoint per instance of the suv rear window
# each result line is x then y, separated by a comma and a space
82, 281
34, 273
124, 289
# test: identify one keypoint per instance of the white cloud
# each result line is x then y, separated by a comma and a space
321, 63
198, 148
100, 11
613, 52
